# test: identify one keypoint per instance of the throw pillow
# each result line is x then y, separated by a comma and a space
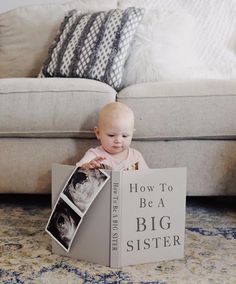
93, 46
163, 48
27, 32
182, 40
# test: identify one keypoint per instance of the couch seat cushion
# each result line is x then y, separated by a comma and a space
183, 110
51, 107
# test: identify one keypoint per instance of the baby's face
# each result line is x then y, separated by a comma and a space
116, 134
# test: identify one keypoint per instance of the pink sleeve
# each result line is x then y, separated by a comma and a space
138, 157
142, 163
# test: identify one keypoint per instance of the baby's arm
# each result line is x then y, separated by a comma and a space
93, 164
141, 162
90, 160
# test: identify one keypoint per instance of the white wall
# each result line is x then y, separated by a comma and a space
6, 5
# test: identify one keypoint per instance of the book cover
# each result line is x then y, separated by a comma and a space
148, 216
137, 217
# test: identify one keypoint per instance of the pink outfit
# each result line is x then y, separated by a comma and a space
134, 156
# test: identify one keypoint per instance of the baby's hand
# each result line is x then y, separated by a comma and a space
93, 164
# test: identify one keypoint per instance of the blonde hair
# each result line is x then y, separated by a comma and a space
115, 110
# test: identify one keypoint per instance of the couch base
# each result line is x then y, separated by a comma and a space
211, 164
26, 162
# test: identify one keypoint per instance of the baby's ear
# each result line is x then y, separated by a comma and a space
96, 130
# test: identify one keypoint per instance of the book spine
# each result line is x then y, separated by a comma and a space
115, 239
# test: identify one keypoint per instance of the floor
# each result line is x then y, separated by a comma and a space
26, 257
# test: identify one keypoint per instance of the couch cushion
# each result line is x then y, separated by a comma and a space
27, 32
51, 107
193, 109
93, 46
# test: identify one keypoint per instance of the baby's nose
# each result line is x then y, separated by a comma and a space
118, 138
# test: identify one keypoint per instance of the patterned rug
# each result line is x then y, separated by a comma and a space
25, 248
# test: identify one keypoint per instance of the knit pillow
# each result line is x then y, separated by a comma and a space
93, 46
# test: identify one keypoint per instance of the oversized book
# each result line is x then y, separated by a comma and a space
134, 217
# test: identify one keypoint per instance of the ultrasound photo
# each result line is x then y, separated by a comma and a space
77, 195
83, 187
63, 224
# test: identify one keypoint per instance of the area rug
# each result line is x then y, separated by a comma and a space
26, 257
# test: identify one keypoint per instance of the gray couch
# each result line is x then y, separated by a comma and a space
188, 123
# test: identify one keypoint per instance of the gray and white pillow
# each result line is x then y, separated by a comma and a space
93, 46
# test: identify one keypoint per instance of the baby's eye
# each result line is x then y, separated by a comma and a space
125, 136
110, 135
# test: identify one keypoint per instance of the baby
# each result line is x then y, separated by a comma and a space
115, 131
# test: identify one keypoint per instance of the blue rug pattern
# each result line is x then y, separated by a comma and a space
26, 257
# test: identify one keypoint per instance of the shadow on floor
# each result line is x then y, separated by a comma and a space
208, 202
